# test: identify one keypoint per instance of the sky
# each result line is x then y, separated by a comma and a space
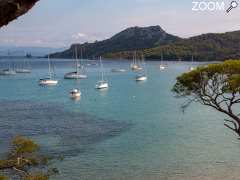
59, 23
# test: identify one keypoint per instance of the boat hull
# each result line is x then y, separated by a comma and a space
102, 85
136, 68
23, 71
141, 78
75, 76
49, 82
162, 67
7, 72
75, 94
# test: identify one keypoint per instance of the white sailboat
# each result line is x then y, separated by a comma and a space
49, 81
192, 68
102, 84
142, 76
135, 65
116, 70
25, 68
80, 70
8, 71
162, 66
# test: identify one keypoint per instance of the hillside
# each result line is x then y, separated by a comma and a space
206, 47
135, 38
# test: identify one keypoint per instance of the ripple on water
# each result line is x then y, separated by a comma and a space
57, 130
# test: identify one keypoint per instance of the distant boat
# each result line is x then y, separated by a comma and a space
49, 81
115, 70
7, 72
192, 68
142, 76
80, 70
162, 66
135, 64
75, 93
25, 68
102, 84
23, 71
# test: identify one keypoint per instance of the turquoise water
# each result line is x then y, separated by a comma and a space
131, 131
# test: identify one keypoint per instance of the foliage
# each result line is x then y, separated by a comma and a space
23, 145
24, 155
206, 47
3, 177
131, 39
38, 176
215, 85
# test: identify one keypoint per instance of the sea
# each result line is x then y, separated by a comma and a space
131, 131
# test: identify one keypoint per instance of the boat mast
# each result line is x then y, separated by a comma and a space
161, 57
144, 64
101, 65
76, 58
49, 68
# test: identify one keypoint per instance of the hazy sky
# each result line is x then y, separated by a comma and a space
58, 23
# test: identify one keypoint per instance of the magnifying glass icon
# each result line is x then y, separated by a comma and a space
233, 5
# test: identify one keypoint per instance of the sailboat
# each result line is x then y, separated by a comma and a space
143, 76
102, 84
25, 68
135, 66
8, 71
49, 81
80, 70
162, 67
192, 68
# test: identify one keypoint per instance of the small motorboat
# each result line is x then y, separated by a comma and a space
75, 93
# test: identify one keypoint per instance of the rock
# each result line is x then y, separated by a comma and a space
12, 9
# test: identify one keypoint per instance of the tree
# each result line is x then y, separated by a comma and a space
11, 9
23, 156
217, 86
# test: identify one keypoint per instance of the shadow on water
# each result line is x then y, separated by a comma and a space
59, 131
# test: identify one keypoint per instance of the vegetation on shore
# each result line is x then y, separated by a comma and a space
24, 155
154, 42
216, 86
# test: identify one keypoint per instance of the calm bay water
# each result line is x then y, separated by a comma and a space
131, 131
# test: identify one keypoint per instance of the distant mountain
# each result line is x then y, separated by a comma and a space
134, 38
206, 47
22, 51
154, 41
